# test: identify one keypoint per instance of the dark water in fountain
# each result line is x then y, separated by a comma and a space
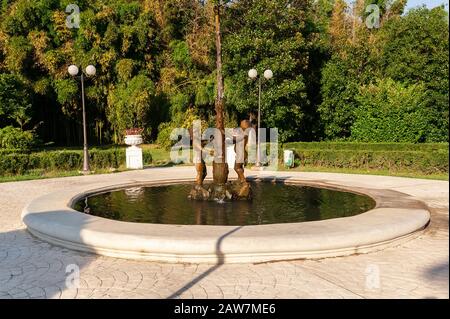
272, 203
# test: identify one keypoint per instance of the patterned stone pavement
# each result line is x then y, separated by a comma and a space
31, 268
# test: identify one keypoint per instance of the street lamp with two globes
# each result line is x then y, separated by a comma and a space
253, 74
90, 71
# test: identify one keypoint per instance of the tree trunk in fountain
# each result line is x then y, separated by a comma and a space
220, 167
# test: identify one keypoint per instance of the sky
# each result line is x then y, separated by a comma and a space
428, 3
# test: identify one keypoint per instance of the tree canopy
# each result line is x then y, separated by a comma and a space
336, 76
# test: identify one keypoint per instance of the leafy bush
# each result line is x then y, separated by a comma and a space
414, 161
19, 163
15, 138
415, 49
14, 164
426, 158
391, 112
6, 151
338, 89
340, 146
56, 160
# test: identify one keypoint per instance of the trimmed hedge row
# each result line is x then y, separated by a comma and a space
431, 159
20, 163
426, 147
6, 151
419, 162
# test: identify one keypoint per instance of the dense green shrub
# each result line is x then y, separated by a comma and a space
417, 158
147, 157
269, 33
19, 163
14, 164
15, 138
391, 112
409, 56
107, 158
5, 151
413, 161
423, 147
339, 88
414, 49
56, 160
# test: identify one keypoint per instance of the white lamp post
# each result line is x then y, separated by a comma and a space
90, 71
253, 74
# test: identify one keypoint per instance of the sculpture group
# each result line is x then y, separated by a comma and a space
221, 189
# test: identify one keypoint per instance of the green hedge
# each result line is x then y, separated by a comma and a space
419, 158
12, 163
6, 151
413, 161
426, 147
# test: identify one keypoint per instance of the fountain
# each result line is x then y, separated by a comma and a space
146, 215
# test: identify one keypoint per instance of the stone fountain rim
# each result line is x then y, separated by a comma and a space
397, 217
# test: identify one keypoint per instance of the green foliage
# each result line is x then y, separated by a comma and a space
15, 138
156, 59
180, 54
373, 147
390, 112
124, 69
183, 120
3, 6
18, 53
179, 103
339, 90
412, 50
6, 151
66, 90
393, 161
415, 50
421, 158
265, 34
20, 163
56, 160
13, 164
14, 99
118, 37
205, 93
419, 162
129, 104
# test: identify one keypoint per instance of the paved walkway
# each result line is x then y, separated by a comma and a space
31, 268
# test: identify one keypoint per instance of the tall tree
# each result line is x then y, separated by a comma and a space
269, 34
220, 167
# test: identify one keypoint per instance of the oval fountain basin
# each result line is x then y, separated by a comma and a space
273, 203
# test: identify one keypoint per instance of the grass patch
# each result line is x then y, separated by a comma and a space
33, 175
